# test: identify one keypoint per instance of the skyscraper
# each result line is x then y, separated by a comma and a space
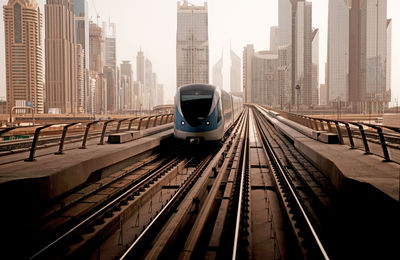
61, 58
81, 35
235, 73
264, 78
110, 62
302, 52
285, 22
388, 95
368, 56
217, 79
80, 78
248, 53
96, 42
315, 68
140, 76
23, 51
148, 84
153, 90
338, 51
127, 86
192, 53
274, 38
284, 75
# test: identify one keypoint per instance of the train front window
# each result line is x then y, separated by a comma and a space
195, 105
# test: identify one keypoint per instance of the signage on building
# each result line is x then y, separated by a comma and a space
29, 104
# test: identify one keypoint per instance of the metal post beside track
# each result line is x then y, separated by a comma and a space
140, 122
119, 124
148, 121
383, 141
130, 123
352, 146
34, 143
155, 120
339, 132
104, 131
86, 133
364, 137
64, 134
162, 119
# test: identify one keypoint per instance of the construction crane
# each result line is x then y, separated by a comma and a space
97, 14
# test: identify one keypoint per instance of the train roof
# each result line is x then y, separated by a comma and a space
197, 86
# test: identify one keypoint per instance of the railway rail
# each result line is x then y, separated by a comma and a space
194, 205
252, 195
128, 184
292, 200
205, 215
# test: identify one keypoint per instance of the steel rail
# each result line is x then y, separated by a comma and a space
167, 206
283, 173
206, 209
107, 206
92, 192
240, 200
200, 168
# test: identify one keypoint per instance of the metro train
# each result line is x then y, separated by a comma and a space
204, 112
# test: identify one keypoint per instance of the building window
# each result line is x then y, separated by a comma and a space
17, 24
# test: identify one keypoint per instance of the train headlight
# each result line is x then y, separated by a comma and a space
207, 122
182, 122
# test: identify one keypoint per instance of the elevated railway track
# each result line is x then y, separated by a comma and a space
252, 195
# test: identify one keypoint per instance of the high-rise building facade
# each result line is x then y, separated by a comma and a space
338, 51
285, 22
388, 95
140, 66
295, 30
153, 90
248, 53
80, 78
81, 34
96, 42
274, 38
235, 73
148, 84
61, 58
192, 51
23, 54
110, 62
127, 86
284, 75
264, 78
217, 78
315, 68
368, 56
141, 77
302, 42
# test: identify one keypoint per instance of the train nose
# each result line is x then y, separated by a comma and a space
194, 140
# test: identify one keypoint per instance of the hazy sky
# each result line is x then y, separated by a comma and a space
151, 25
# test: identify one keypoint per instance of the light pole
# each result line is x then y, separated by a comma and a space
298, 97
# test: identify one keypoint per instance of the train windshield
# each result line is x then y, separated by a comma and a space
195, 105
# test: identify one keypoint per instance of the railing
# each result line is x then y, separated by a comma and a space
321, 124
87, 130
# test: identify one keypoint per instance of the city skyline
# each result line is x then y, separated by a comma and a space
255, 36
